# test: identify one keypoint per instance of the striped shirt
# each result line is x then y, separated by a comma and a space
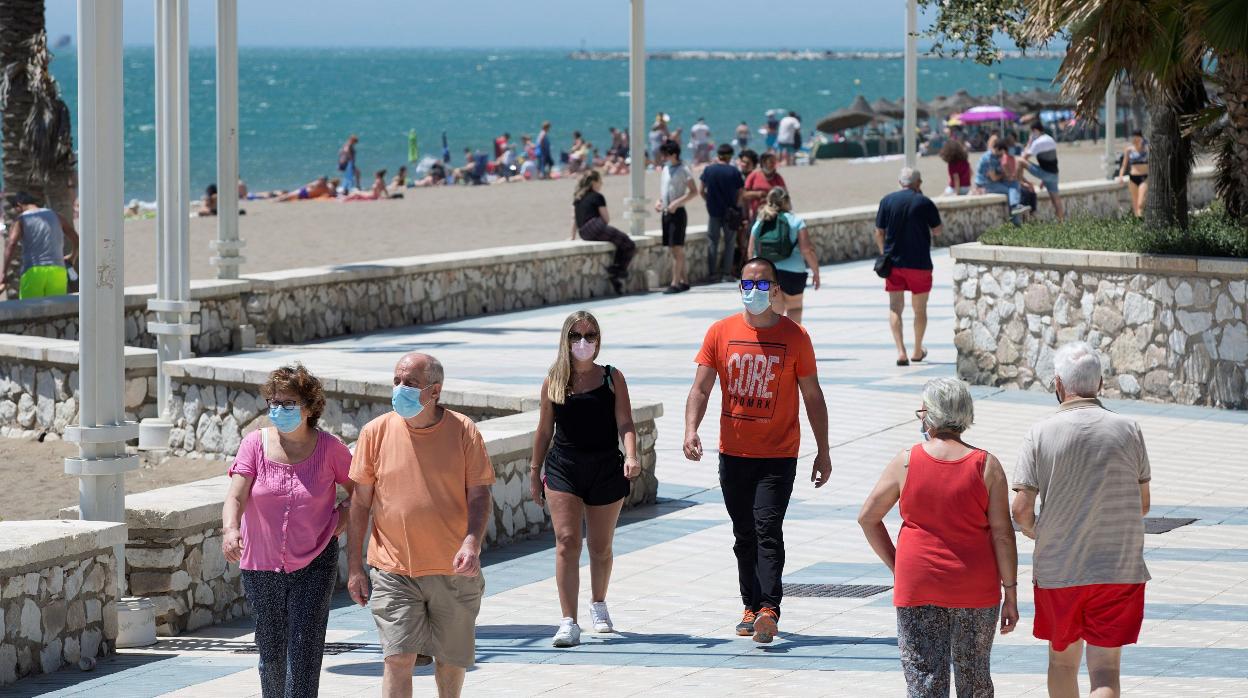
1087, 464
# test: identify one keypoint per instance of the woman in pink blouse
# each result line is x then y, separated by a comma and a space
283, 488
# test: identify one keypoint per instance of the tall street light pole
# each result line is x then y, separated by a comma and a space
636, 204
910, 122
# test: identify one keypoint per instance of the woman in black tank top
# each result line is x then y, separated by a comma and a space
586, 410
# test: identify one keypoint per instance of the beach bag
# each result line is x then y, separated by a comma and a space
776, 243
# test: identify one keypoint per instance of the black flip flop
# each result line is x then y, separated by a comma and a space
903, 362
921, 357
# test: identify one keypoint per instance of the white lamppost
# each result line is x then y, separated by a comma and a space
102, 429
910, 122
172, 305
635, 206
227, 245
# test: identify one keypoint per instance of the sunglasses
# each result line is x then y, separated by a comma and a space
284, 404
760, 284
918, 414
588, 336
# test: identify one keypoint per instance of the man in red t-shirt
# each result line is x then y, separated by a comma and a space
759, 182
763, 360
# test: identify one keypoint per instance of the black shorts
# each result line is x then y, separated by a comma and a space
674, 225
791, 282
596, 477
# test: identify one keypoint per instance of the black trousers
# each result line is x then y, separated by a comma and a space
291, 611
597, 230
756, 493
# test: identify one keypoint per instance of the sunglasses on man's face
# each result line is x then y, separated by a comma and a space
760, 284
588, 336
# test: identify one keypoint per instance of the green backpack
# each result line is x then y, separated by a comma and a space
775, 243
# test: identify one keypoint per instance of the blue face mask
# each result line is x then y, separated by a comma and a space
756, 301
286, 419
406, 401
923, 431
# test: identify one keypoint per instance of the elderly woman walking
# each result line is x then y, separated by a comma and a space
955, 546
283, 488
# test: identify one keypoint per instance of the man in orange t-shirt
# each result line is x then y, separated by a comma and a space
423, 473
763, 360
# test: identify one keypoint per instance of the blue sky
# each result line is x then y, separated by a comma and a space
741, 24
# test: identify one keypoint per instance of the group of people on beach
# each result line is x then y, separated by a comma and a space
1003, 169
421, 477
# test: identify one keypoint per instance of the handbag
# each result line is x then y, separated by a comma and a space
883, 266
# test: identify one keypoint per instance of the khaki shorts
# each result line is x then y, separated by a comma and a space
434, 615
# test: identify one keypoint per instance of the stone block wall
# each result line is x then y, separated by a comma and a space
58, 595
39, 390
1171, 329
186, 577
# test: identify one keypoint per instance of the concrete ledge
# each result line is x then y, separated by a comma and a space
975, 252
201, 289
64, 351
27, 543
177, 507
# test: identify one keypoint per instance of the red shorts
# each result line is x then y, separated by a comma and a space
1105, 615
912, 280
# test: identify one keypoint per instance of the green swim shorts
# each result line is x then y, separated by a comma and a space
38, 282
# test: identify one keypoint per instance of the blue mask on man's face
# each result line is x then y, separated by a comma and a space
756, 300
406, 401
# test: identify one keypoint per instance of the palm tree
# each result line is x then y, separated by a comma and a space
1163, 46
35, 132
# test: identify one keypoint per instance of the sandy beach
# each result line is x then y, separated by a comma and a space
455, 218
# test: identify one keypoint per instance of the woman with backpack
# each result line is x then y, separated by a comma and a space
780, 236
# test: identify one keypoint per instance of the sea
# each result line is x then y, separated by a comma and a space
298, 105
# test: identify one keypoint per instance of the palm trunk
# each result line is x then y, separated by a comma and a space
35, 128
1171, 158
1232, 161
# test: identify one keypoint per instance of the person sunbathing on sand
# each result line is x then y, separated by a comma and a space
318, 188
378, 190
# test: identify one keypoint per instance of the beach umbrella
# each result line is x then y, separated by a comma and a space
981, 114
857, 114
883, 107
961, 101
413, 148
921, 110
939, 104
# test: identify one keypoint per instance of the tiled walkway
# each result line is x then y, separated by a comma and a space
673, 593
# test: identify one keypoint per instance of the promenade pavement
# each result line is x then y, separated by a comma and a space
673, 593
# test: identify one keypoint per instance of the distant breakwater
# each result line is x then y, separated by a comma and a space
785, 55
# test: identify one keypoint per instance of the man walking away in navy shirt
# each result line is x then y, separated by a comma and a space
722, 185
904, 226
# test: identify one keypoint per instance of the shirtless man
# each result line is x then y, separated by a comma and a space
315, 189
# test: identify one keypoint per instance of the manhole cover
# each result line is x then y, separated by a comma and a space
839, 591
1162, 524
330, 648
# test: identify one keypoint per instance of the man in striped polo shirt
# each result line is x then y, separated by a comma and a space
1090, 469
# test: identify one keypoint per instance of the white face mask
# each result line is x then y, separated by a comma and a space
584, 349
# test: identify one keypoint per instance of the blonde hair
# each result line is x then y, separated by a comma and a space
559, 378
777, 201
586, 184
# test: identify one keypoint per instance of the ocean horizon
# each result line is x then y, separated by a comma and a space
297, 105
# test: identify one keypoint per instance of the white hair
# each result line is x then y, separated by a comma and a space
1079, 367
909, 176
949, 405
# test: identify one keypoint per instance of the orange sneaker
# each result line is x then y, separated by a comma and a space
746, 627
765, 624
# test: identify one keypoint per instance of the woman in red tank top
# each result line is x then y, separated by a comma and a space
954, 552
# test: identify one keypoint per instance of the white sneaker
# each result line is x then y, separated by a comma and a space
1019, 210
600, 617
568, 635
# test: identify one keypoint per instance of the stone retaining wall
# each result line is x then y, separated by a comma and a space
220, 313
39, 385
58, 594
1170, 329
